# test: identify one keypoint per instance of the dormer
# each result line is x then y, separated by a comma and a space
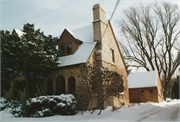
67, 43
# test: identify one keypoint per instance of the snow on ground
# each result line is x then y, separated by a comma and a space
165, 111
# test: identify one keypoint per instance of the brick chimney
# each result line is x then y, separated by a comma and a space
99, 23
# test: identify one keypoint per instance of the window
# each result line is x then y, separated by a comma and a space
66, 49
71, 85
151, 91
142, 91
69, 49
60, 85
112, 56
49, 87
62, 49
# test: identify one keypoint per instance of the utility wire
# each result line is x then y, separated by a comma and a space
111, 17
114, 9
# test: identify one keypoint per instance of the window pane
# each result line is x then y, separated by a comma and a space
151, 91
62, 49
112, 56
69, 49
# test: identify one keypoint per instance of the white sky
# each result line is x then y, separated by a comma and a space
52, 16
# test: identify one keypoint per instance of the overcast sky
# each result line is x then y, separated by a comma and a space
52, 16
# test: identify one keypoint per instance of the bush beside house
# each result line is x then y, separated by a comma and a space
43, 106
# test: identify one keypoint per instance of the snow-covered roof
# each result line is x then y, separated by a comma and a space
80, 56
84, 34
143, 79
19, 33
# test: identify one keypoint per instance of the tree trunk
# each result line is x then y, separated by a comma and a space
166, 89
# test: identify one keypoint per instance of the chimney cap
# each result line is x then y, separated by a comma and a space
98, 6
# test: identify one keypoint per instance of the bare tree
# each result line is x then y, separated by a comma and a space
97, 84
151, 38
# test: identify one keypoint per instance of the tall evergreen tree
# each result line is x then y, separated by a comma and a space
32, 55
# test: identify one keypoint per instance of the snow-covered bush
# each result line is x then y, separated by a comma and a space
16, 109
42, 106
49, 105
14, 106
2, 103
67, 105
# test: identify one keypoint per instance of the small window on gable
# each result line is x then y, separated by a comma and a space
142, 91
69, 48
62, 49
151, 91
112, 56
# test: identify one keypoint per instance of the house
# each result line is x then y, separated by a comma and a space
145, 86
95, 43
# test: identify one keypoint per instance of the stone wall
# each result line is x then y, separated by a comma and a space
15, 94
109, 43
106, 41
66, 72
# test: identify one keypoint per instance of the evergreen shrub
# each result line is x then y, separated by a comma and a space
42, 106
50, 105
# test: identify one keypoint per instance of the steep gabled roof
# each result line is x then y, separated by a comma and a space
84, 34
143, 79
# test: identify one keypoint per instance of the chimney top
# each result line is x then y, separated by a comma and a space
98, 6
99, 13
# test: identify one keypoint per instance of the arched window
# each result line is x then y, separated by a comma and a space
50, 87
16, 91
60, 85
71, 85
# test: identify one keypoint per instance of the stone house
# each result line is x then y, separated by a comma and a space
95, 43
145, 86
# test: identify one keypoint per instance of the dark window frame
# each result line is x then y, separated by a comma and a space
71, 85
112, 56
66, 52
151, 91
60, 85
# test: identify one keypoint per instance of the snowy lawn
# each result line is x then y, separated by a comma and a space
165, 111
